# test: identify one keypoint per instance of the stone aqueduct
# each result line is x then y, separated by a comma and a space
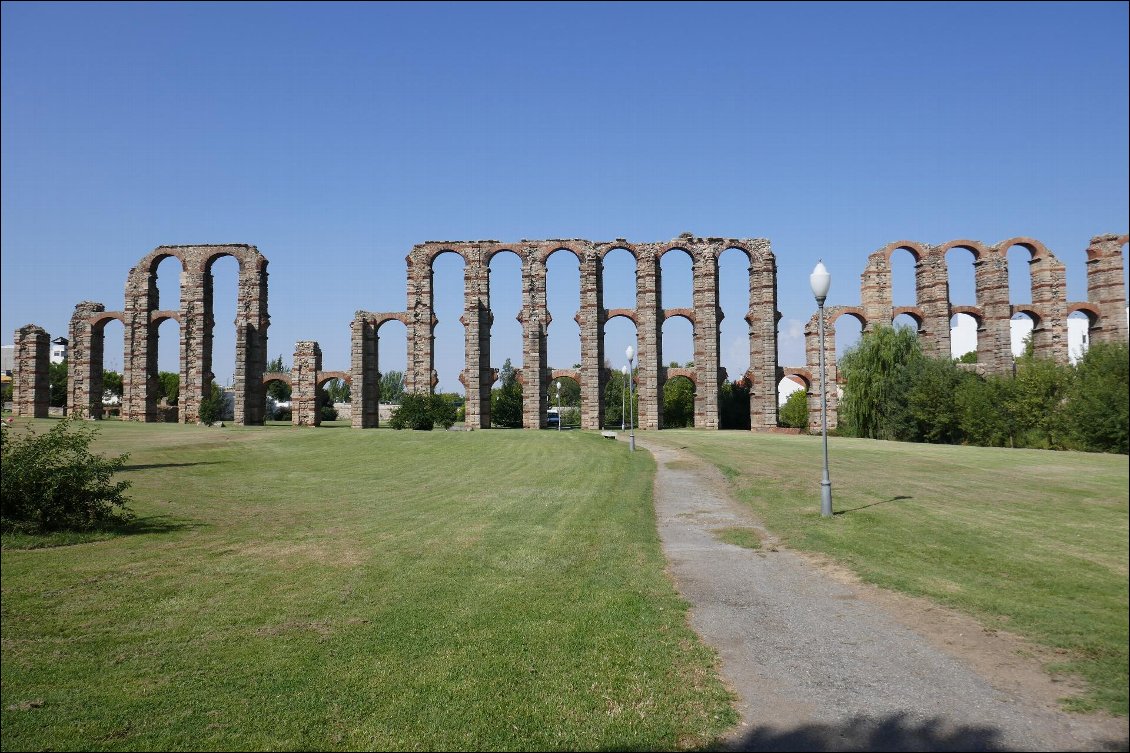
1048, 308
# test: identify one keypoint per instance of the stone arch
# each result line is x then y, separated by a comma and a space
364, 374
687, 314
625, 313
1106, 287
86, 337
673, 376
913, 312
277, 376
1048, 285
195, 319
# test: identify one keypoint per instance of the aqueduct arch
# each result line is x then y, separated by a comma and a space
142, 316
1105, 310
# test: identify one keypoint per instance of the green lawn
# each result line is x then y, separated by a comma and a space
1030, 541
327, 589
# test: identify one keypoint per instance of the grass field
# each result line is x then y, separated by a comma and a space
331, 589
1030, 541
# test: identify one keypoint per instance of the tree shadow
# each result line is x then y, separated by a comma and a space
880, 502
150, 466
157, 524
890, 733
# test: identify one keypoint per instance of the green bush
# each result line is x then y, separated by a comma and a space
52, 482
212, 406
423, 412
794, 413
329, 413
1098, 402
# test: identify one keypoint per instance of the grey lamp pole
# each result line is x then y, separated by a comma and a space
821, 281
559, 405
623, 395
631, 353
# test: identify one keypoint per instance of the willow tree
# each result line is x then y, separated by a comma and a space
878, 377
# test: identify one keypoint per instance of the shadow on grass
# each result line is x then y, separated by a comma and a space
154, 524
887, 733
150, 466
880, 502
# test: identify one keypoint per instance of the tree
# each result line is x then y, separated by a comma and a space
986, 412
878, 382
57, 375
506, 400
337, 391
392, 387
168, 387
1042, 387
52, 481
278, 391
212, 406
1098, 403
112, 382
733, 405
678, 403
422, 412
794, 413
933, 384
970, 357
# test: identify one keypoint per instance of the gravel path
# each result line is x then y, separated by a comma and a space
815, 663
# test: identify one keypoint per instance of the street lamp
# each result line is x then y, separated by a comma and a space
559, 405
630, 353
623, 395
820, 281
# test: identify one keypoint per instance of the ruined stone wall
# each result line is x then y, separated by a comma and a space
31, 383
143, 315
1048, 306
304, 397
479, 374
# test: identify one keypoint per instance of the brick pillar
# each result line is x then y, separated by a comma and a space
762, 319
1105, 288
707, 315
535, 330
591, 320
649, 336
932, 285
304, 384
994, 335
31, 383
831, 371
1049, 296
138, 382
197, 324
84, 361
420, 371
476, 319
364, 385
251, 323
875, 289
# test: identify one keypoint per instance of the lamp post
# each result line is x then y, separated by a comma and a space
623, 395
820, 281
630, 353
559, 405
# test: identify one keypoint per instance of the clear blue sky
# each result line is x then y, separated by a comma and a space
334, 137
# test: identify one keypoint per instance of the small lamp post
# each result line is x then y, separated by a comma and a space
821, 281
631, 353
623, 395
559, 405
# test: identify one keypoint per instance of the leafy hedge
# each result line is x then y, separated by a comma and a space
53, 482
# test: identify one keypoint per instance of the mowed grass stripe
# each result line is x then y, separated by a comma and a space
1030, 541
381, 590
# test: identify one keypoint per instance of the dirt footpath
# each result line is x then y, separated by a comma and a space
820, 662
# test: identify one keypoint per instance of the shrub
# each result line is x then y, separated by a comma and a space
212, 406
51, 482
329, 413
794, 413
1098, 405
